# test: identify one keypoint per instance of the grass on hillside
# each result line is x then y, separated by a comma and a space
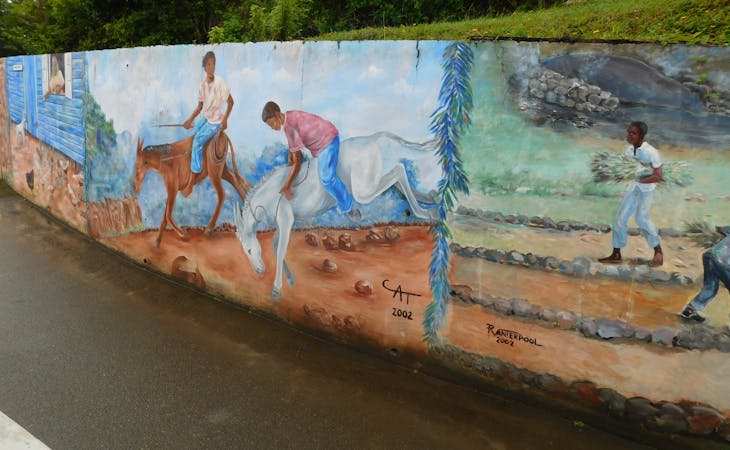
662, 21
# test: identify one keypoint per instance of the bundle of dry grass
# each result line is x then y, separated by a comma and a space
702, 233
609, 167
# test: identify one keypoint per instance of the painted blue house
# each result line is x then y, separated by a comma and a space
57, 118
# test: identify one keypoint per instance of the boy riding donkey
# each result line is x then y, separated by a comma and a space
213, 92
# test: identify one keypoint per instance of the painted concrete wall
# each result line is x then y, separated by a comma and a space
486, 183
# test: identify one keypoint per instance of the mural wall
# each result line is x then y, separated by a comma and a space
490, 207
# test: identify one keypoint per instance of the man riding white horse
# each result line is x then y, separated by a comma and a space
322, 139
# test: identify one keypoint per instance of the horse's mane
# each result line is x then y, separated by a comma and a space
162, 149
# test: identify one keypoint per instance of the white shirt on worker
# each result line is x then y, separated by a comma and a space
648, 156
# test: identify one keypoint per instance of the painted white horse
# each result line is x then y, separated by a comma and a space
368, 166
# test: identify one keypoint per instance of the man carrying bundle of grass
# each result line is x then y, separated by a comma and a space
638, 198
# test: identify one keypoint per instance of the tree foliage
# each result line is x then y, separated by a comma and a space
50, 26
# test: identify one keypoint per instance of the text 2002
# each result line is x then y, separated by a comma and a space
402, 313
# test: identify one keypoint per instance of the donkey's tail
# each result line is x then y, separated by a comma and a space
427, 146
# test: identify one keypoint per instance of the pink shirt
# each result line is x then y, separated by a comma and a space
303, 129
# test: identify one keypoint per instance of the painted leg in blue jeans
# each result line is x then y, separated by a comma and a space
620, 228
710, 286
203, 132
327, 166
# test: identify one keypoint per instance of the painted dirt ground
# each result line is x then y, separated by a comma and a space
641, 304
329, 301
319, 298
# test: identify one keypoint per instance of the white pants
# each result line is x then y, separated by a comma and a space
639, 203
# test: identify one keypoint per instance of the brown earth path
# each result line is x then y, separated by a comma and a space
641, 304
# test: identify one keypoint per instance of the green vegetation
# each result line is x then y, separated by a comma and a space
664, 21
49, 26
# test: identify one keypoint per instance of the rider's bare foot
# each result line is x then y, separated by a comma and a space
658, 259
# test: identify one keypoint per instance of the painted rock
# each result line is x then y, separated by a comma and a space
392, 233
345, 242
311, 239
374, 235
329, 242
329, 266
364, 287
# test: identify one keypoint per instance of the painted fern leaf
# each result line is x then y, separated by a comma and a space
448, 121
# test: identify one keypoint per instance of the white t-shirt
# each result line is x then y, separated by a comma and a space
213, 95
648, 156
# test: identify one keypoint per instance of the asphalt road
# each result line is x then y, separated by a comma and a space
97, 353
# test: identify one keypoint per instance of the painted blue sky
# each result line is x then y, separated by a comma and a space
362, 87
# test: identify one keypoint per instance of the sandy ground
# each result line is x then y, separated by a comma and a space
326, 300
641, 304
329, 302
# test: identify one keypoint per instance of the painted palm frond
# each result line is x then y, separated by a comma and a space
448, 121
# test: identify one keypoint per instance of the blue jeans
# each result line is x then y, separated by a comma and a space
204, 130
639, 202
327, 166
714, 273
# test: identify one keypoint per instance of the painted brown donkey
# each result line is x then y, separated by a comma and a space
172, 161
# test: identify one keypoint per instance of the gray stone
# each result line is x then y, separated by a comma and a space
503, 306
610, 271
516, 257
595, 268
587, 326
704, 420
639, 409
660, 276
643, 334
594, 100
533, 83
580, 265
614, 402
462, 210
521, 307
566, 320
611, 328
633, 232
548, 223
580, 106
467, 251
454, 247
548, 314
550, 97
531, 260
511, 218
536, 221
671, 418
611, 103
695, 337
561, 90
562, 226
624, 272
522, 219
593, 90
722, 342
570, 103
664, 335
552, 263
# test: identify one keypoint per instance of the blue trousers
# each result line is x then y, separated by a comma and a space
204, 130
714, 273
636, 202
327, 165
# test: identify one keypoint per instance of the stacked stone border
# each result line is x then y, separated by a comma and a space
579, 266
684, 417
550, 224
691, 337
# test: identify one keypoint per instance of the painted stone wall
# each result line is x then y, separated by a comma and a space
485, 181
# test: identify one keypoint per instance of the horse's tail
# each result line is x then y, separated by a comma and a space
245, 185
426, 146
